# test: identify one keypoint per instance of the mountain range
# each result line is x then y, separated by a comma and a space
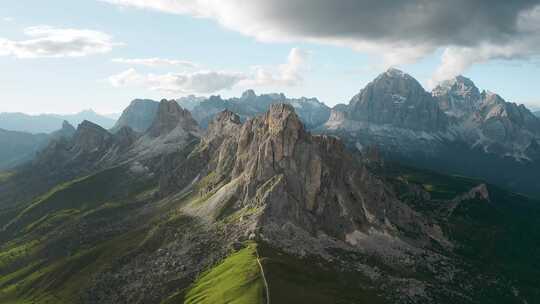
455, 129
139, 114
251, 211
268, 199
47, 123
17, 148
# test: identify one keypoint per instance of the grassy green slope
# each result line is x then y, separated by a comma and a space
237, 280
46, 258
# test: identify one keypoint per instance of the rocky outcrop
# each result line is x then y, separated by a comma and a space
172, 129
139, 115
90, 137
170, 116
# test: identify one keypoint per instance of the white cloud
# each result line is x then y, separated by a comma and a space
288, 74
8, 19
156, 62
202, 82
47, 41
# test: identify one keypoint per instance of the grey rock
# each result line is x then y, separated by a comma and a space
139, 115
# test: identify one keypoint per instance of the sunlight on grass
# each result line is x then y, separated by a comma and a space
236, 280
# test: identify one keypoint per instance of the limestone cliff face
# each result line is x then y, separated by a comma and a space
307, 183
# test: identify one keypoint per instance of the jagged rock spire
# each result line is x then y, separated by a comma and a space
168, 117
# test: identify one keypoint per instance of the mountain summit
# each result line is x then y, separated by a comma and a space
169, 116
458, 96
398, 100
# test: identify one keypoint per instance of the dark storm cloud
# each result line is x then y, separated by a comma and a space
439, 22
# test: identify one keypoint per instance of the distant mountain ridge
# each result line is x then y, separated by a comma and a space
455, 129
311, 111
140, 113
47, 123
17, 147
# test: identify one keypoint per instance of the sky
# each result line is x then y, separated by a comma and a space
62, 56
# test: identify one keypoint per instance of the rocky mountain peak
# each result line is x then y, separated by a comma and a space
169, 116
283, 118
397, 99
458, 86
397, 79
249, 94
90, 136
310, 183
394, 72
225, 124
88, 127
458, 96
139, 115
67, 131
67, 126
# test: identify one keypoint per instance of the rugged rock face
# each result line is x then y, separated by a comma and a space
458, 97
172, 129
487, 121
170, 116
309, 184
316, 186
90, 137
139, 115
396, 99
